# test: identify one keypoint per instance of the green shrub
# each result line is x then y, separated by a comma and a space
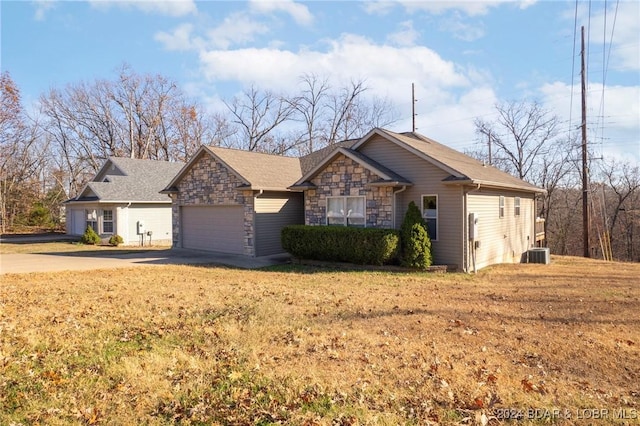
116, 240
366, 246
415, 242
90, 237
40, 216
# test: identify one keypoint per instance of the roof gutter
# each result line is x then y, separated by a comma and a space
390, 183
262, 189
497, 185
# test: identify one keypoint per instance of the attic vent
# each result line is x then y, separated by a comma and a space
538, 255
106, 180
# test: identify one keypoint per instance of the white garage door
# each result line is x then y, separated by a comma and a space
213, 228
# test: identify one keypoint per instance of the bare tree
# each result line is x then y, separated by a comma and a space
309, 106
20, 158
342, 118
329, 116
137, 116
554, 171
619, 199
257, 114
520, 135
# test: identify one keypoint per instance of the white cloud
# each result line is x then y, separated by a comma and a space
614, 127
450, 97
468, 7
625, 43
406, 36
237, 28
625, 53
460, 29
378, 7
299, 12
180, 39
163, 7
350, 57
42, 7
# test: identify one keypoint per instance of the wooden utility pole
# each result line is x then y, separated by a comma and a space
490, 156
413, 107
585, 169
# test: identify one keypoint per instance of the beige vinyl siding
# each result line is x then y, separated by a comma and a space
273, 212
426, 179
506, 239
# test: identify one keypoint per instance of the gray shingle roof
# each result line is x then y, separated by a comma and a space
141, 181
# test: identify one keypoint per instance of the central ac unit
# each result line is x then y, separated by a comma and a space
539, 255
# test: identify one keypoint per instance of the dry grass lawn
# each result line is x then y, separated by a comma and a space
297, 345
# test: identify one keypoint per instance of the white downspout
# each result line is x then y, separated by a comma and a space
404, 187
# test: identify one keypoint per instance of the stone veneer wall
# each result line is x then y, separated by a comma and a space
208, 182
345, 177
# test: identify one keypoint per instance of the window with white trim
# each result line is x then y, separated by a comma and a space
92, 219
516, 206
501, 206
430, 215
107, 221
346, 211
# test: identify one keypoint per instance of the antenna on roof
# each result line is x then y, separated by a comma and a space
413, 107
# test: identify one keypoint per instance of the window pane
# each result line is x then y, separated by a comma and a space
430, 207
355, 207
108, 215
432, 228
335, 207
429, 202
108, 227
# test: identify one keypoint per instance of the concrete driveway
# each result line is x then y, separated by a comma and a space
77, 261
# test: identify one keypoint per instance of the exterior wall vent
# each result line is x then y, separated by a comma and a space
539, 255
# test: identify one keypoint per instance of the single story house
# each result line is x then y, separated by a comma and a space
124, 199
238, 201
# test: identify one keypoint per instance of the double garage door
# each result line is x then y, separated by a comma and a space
213, 228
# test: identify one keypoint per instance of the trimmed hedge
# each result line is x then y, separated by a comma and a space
365, 246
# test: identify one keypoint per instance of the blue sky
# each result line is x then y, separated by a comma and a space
463, 56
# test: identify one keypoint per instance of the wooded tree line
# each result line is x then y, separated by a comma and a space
47, 155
